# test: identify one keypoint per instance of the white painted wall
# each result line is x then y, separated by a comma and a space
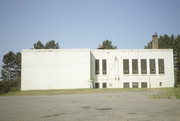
55, 69
115, 68
75, 68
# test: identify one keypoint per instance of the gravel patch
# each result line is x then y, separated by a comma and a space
123, 106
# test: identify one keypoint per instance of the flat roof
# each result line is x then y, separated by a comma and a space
99, 50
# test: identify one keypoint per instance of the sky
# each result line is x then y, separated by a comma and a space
129, 24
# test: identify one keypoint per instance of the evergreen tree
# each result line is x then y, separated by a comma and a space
107, 44
52, 45
38, 45
49, 45
7, 71
11, 71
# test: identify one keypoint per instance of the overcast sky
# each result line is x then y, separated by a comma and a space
129, 24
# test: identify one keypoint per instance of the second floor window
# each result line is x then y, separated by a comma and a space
126, 66
143, 66
134, 66
161, 66
152, 66
104, 66
96, 66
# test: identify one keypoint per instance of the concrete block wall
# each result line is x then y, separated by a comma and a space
55, 69
115, 76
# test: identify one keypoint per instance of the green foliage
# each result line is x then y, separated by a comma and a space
11, 70
38, 45
49, 45
107, 44
148, 46
52, 45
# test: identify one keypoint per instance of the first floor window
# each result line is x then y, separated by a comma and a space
135, 84
104, 85
143, 84
126, 84
96, 85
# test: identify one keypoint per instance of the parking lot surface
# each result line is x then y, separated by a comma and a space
123, 106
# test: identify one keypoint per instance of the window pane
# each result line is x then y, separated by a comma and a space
97, 66
134, 66
104, 85
161, 66
126, 84
126, 66
104, 66
135, 84
96, 85
152, 66
143, 84
143, 66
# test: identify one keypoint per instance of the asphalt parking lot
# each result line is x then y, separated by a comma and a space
123, 106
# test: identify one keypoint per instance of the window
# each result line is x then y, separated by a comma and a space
126, 66
161, 66
143, 66
152, 66
143, 84
97, 66
135, 84
160, 83
134, 66
126, 84
104, 85
96, 85
104, 66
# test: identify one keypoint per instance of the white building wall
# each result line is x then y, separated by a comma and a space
115, 76
55, 69
75, 68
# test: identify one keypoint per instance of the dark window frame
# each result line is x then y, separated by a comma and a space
126, 66
152, 64
126, 85
134, 66
143, 66
104, 66
104, 85
135, 85
143, 84
96, 85
97, 66
161, 66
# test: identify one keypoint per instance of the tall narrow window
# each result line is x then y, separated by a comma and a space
134, 66
126, 66
152, 66
143, 66
104, 66
97, 66
161, 66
